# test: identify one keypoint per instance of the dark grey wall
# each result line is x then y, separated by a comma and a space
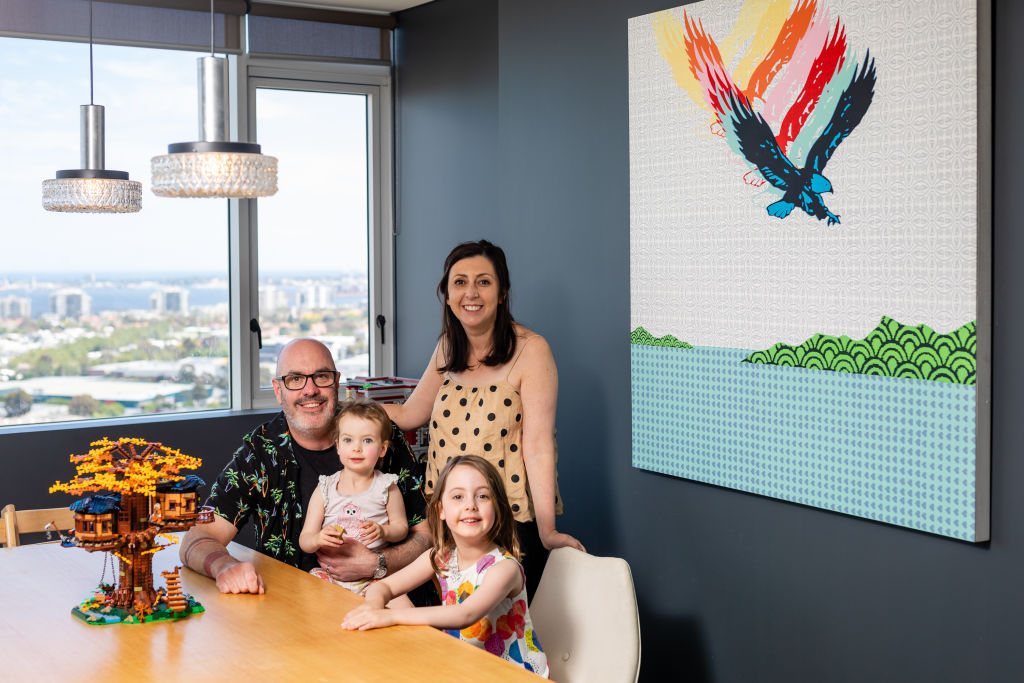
447, 131
32, 460
512, 125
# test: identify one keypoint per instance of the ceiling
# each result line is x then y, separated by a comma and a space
373, 6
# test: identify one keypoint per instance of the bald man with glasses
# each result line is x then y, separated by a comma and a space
272, 475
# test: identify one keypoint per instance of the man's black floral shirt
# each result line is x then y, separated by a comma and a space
261, 483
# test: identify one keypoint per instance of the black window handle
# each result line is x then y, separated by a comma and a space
254, 326
381, 321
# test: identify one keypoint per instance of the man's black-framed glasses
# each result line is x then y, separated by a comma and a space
295, 381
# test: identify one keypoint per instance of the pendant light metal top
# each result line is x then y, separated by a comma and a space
213, 166
92, 188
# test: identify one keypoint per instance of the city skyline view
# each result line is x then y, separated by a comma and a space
156, 344
103, 315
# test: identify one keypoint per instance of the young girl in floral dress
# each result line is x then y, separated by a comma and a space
475, 558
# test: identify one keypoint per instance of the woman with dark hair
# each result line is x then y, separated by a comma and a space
490, 389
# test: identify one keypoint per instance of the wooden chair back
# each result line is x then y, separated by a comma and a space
13, 522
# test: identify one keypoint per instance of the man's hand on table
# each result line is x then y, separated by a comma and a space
350, 561
203, 550
240, 577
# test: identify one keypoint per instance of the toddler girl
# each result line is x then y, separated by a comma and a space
476, 561
360, 501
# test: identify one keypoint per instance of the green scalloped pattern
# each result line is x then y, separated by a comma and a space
891, 350
645, 338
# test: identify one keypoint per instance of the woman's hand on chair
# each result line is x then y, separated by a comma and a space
556, 539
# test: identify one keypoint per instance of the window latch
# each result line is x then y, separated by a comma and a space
381, 321
254, 326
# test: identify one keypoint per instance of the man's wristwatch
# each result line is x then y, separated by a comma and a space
382, 567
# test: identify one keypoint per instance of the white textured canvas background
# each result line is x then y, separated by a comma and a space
711, 267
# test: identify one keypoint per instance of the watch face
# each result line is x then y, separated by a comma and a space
379, 572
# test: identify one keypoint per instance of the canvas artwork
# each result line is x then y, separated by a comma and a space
810, 253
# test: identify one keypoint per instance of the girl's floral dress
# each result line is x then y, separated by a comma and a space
507, 630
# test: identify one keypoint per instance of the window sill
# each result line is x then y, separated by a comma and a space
133, 422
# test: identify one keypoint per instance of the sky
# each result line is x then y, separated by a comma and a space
316, 221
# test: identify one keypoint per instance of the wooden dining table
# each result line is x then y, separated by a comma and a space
290, 633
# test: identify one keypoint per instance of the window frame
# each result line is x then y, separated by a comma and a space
374, 82
246, 73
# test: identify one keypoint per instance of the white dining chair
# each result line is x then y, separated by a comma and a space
586, 619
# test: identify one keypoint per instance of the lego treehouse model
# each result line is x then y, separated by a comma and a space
148, 498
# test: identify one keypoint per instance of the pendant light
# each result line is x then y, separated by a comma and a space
92, 189
213, 166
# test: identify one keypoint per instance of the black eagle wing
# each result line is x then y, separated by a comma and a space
759, 146
849, 111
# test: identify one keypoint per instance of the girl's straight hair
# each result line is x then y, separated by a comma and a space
502, 533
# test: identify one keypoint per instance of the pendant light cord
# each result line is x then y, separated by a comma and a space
90, 54
211, 27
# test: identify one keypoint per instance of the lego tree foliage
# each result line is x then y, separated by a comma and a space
133, 469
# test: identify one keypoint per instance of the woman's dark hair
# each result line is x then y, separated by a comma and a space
455, 344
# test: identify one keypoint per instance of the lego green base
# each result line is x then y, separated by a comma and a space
95, 611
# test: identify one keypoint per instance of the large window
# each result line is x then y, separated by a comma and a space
323, 241
103, 315
107, 315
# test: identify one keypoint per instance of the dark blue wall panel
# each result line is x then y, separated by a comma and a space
732, 587
34, 458
446, 128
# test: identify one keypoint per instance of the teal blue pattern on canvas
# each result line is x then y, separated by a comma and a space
890, 449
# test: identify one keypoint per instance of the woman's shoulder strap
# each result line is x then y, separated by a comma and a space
440, 358
521, 346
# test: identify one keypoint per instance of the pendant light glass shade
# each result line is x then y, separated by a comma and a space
86, 192
92, 188
214, 167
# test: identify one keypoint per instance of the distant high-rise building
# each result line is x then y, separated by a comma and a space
70, 303
316, 296
272, 299
169, 300
15, 307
